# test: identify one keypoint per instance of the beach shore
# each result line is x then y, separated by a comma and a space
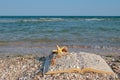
30, 67
25, 41
22, 48
26, 61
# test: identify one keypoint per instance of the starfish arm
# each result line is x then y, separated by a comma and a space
59, 50
54, 50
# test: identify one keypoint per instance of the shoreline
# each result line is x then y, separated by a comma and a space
44, 50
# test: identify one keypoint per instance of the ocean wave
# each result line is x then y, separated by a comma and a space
41, 19
7, 21
94, 19
13, 20
30, 20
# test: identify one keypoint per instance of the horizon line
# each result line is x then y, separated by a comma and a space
68, 15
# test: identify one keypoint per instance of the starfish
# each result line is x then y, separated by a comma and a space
60, 50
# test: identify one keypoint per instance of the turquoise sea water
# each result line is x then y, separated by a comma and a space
92, 31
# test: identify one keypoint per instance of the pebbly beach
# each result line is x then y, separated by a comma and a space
26, 41
30, 67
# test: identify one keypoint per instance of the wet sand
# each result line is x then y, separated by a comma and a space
44, 49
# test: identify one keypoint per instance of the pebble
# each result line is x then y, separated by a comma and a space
26, 68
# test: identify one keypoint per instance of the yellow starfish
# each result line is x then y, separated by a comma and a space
59, 50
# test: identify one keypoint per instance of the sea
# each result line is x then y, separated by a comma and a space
41, 34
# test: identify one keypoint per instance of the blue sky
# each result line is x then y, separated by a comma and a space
60, 7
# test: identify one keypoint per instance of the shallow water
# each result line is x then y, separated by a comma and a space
81, 31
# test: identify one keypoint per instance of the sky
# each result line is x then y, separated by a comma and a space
59, 7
